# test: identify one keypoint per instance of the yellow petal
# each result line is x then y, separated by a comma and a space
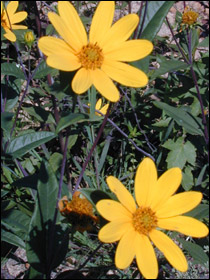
1, 6
171, 251
120, 31
63, 62
124, 74
101, 21
64, 31
112, 210
50, 45
179, 204
105, 85
82, 81
113, 231
185, 225
16, 27
12, 7
145, 181
98, 104
166, 186
125, 252
10, 36
104, 109
122, 193
130, 50
146, 258
74, 24
18, 17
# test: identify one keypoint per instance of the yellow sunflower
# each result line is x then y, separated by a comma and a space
137, 226
14, 18
99, 59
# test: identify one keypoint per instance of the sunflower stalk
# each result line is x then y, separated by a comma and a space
125, 135
190, 62
92, 149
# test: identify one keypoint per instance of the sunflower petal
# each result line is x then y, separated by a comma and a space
122, 193
63, 62
145, 257
105, 85
16, 27
170, 250
64, 31
145, 181
9, 35
98, 104
82, 81
18, 17
74, 24
101, 21
179, 204
12, 7
113, 231
107, 206
120, 31
130, 50
124, 74
186, 225
125, 252
166, 186
104, 109
51, 45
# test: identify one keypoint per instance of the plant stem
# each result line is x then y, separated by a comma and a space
144, 16
190, 62
206, 136
125, 135
178, 45
137, 122
92, 149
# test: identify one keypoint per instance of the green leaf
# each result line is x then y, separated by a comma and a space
40, 114
187, 178
200, 212
204, 43
168, 65
23, 144
156, 13
47, 244
180, 153
11, 69
200, 177
70, 119
55, 161
196, 251
104, 153
27, 182
43, 70
182, 117
16, 220
6, 123
12, 239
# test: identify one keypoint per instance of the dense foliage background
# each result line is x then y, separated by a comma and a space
48, 131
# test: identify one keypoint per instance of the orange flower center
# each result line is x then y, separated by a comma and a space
189, 17
90, 56
144, 220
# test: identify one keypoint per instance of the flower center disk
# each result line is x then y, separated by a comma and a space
144, 220
90, 56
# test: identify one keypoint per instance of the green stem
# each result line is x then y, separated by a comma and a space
92, 149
